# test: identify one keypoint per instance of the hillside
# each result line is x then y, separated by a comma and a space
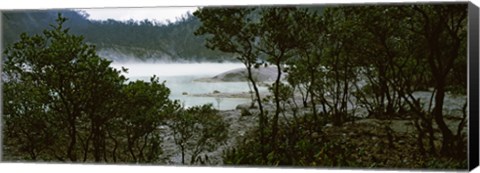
129, 40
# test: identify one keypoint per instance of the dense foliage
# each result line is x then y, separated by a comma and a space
356, 79
62, 102
198, 129
343, 60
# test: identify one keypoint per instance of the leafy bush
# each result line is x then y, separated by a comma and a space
62, 102
197, 130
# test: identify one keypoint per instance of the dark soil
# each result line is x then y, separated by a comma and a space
368, 145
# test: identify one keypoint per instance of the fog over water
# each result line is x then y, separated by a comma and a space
180, 78
137, 69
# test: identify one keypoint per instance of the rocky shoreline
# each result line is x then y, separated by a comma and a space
240, 125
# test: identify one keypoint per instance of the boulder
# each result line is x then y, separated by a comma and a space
243, 106
245, 112
262, 74
244, 109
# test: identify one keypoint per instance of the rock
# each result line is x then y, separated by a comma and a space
243, 106
245, 112
244, 109
261, 74
163, 127
184, 93
241, 133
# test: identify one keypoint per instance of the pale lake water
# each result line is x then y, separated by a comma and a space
180, 78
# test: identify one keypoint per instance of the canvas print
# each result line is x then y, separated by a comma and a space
337, 86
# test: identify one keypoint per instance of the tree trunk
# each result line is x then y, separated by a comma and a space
312, 96
262, 120
421, 135
86, 146
183, 154
96, 143
277, 105
130, 148
438, 116
73, 139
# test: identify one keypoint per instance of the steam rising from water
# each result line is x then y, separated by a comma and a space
175, 69
180, 78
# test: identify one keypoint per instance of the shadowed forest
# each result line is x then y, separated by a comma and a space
116, 40
374, 86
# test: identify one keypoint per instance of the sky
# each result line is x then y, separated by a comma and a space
161, 14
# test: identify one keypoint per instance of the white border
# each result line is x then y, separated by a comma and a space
74, 168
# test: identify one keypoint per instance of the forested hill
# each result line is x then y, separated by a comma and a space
131, 40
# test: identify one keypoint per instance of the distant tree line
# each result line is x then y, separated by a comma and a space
141, 39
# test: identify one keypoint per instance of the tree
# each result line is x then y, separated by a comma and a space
339, 64
442, 29
392, 68
304, 70
151, 108
196, 130
377, 55
408, 48
233, 30
382, 32
64, 103
61, 78
278, 46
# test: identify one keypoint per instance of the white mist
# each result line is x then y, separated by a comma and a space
180, 78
